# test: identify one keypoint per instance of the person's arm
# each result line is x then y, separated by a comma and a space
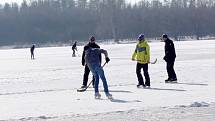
100, 56
104, 52
168, 51
148, 53
83, 60
173, 50
106, 55
134, 54
97, 46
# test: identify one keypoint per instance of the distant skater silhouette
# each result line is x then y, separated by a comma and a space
32, 51
74, 48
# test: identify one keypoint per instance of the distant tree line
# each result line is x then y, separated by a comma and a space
51, 21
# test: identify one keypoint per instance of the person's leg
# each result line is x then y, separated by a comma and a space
102, 76
93, 80
33, 55
73, 54
172, 71
146, 74
96, 75
168, 68
96, 82
86, 74
139, 75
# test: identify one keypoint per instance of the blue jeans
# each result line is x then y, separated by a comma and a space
99, 72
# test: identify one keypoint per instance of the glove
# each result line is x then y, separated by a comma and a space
107, 59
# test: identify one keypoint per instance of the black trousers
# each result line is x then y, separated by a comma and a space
32, 55
73, 52
146, 74
86, 74
170, 70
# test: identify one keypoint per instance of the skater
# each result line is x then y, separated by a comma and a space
74, 48
92, 58
32, 51
169, 57
142, 56
91, 44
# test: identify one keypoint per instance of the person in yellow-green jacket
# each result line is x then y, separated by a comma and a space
142, 56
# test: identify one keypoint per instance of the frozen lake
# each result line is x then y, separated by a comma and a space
46, 86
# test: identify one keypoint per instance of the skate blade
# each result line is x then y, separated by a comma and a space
172, 82
147, 87
97, 98
81, 90
110, 98
141, 87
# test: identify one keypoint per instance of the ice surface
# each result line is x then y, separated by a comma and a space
47, 86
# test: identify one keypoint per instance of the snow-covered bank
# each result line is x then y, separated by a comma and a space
46, 87
177, 113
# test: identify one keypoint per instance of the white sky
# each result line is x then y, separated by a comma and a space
9, 1
19, 1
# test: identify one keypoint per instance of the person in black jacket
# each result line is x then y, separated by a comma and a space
32, 51
169, 57
91, 44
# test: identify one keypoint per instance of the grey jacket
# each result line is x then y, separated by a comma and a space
92, 56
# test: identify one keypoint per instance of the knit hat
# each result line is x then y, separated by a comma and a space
164, 36
92, 38
141, 37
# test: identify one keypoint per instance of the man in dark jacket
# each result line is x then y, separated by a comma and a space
91, 44
169, 57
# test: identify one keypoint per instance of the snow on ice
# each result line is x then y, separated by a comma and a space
46, 88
